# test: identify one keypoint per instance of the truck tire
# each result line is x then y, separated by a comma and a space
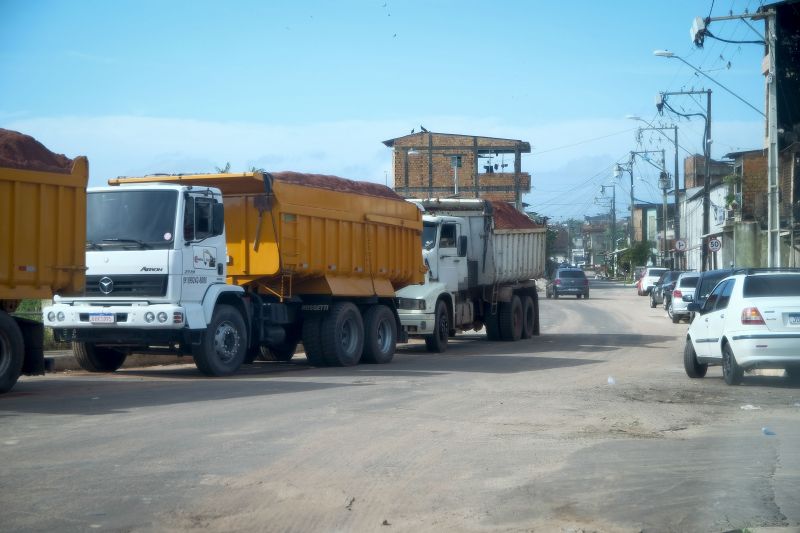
529, 317
312, 340
690, 365
12, 350
282, 352
380, 335
97, 358
491, 322
224, 344
342, 335
437, 342
510, 319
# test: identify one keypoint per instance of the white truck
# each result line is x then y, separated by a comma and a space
483, 258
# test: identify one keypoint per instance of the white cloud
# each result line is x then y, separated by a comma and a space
572, 151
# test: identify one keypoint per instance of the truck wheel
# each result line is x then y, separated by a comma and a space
97, 358
343, 335
510, 319
690, 365
224, 344
11, 352
282, 352
437, 342
529, 317
380, 335
490, 321
312, 340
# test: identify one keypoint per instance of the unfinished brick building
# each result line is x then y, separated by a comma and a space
426, 165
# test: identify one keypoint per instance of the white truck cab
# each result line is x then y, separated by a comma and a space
156, 266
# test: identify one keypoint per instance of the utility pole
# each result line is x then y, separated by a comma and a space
674, 128
661, 101
613, 217
699, 31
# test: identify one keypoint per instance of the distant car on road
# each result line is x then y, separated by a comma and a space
662, 290
677, 308
568, 281
749, 320
648, 279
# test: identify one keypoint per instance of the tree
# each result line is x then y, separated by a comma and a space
638, 254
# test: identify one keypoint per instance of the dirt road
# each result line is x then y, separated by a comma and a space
592, 426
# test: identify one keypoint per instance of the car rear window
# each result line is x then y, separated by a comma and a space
571, 274
690, 281
787, 285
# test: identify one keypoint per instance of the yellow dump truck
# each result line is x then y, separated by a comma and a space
42, 233
289, 258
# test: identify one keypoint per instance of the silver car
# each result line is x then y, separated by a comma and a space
682, 294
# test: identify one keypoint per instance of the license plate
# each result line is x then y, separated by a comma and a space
102, 318
794, 320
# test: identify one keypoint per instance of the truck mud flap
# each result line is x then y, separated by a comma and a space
33, 337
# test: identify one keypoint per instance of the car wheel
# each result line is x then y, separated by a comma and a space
586, 295
653, 303
731, 370
690, 364
555, 294
578, 296
671, 314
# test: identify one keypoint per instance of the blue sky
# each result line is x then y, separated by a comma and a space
145, 86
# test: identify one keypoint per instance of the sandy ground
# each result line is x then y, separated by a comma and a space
592, 426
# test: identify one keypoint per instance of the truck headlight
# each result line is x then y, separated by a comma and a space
162, 317
413, 304
51, 317
60, 316
149, 317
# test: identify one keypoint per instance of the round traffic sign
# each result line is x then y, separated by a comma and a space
680, 245
714, 244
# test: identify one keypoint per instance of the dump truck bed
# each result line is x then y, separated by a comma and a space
42, 231
290, 233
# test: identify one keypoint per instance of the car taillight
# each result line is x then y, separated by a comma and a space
557, 282
751, 316
677, 293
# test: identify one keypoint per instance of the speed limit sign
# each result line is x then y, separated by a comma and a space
680, 245
714, 244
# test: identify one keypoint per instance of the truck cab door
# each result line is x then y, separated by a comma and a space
204, 250
452, 265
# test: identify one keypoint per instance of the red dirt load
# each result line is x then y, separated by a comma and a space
336, 183
23, 152
506, 217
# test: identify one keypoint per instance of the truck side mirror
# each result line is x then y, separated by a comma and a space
218, 218
462, 246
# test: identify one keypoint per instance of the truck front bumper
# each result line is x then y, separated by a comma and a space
118, 324
418, 323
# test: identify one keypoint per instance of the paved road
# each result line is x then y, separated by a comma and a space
497, 436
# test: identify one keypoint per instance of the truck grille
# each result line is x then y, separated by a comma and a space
127, 285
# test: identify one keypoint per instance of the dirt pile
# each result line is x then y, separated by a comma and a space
335, 183
507, 217
23, 152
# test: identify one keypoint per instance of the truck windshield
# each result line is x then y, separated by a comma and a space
130, 219
429, 235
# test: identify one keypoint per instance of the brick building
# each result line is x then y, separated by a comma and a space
694, 171
426, 164
749, 186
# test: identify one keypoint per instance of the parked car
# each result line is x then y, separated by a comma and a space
662, 290
750, 320
705, 283
568, 281
648, 279
677, 308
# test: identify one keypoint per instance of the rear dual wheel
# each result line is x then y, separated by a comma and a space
511, 318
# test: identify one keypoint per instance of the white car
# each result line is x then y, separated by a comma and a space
750, 320
682, 294
648, 279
